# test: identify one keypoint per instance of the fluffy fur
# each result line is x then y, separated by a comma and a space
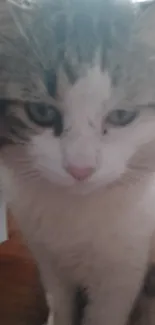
94, 233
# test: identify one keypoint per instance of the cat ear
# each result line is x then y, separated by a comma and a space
144, 31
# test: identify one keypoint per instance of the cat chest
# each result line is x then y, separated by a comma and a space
81, 235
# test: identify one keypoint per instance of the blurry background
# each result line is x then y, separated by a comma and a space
22, 299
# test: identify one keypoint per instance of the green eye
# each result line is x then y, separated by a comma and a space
45, 116
121, 117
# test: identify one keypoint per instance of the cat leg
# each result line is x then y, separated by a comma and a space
50, 320
59, 300
60, 303
49, 299
60, 294
63, 304
111, 297
144, 310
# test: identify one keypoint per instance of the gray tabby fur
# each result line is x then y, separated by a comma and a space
49, 42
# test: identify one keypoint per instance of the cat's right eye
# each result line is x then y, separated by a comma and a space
121, 117
45, 116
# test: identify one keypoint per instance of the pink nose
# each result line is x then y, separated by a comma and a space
80, 174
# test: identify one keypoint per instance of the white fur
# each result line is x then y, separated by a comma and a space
100, 241
86, 106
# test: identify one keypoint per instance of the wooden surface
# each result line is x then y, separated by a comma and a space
22, 299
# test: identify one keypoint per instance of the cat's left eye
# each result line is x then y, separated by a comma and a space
121, 117
45, 116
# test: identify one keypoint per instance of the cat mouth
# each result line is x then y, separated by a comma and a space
69, 184
83, 187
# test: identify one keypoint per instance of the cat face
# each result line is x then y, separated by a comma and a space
96, 141
84, 141
95, 124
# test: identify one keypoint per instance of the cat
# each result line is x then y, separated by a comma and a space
77, 159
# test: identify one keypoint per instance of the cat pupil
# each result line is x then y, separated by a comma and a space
121, 114
42, 111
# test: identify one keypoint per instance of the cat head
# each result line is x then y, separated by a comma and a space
96, 115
